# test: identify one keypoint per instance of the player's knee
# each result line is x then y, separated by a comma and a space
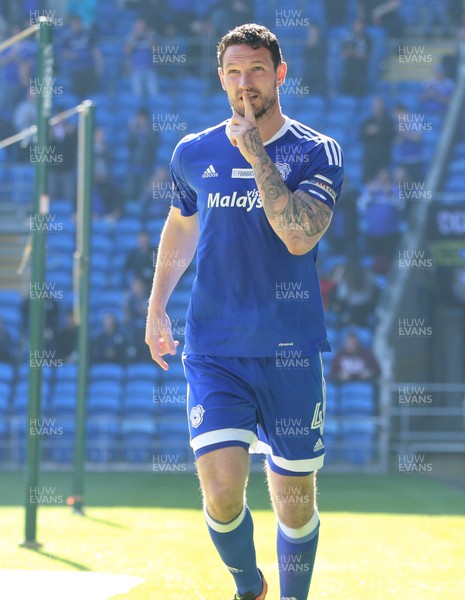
296, 516
224, 502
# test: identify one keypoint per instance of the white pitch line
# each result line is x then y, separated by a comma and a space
55, 585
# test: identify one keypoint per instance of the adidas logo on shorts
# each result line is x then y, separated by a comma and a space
319, 445
210, 172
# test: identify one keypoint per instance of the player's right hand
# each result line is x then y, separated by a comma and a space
159, 338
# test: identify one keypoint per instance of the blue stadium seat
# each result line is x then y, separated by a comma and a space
4, 439
331, 439
357, 398
138, 437
10, 298
62, 208
332, 399
11, 316
103, 400
67, 372
359, 439
106, 372
142, 371
102, 439
7, 373
60, 448
62, 404
5, 395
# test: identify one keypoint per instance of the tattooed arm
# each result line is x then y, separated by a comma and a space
297, 218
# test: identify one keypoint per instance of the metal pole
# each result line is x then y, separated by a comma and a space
81, 273
36, 312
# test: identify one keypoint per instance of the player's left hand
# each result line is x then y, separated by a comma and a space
244, 132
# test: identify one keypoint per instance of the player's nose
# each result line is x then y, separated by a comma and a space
244, 81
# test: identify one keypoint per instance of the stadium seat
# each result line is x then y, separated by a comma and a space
138, 440
7, 373
4, 439
106, 372
5, 395
102, 401
359, 442
357, 398
331, 440
102, 440
60, 448
10, 298
142, 371
332, 399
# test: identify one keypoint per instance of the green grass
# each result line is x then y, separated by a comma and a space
399, 537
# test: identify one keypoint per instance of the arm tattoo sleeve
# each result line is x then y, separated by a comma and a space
290, 214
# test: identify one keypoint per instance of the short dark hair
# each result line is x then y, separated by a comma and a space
251, 34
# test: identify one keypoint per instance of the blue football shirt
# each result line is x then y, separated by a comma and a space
251, 297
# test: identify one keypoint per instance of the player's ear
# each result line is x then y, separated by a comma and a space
281, 73
221, 76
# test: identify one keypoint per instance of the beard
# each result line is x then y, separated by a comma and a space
267, 103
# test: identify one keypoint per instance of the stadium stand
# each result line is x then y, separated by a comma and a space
123, 393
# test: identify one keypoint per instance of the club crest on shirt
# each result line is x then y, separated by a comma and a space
196, 415
284, 170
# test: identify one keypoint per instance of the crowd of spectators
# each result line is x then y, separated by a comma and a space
371, 214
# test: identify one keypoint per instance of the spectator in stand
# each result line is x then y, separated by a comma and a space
140, 260
16, 64
107, 198
381, 206
109, 346
344, 233
435, 12
157, 193
315, 54
143, 143
408, 144
353, 362
62, 174
66, 339
7, 347
438, 92
153, 12
227, 14
451, 62
356, 292
136, 305
102, 154
85, 9
85, 62
139, 49
356, 54
51, 320
383, 13
377, 134
336, 12
25, 116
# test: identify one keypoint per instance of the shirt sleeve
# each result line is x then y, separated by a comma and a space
183, 196
322, 177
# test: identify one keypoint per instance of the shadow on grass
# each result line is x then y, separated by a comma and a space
65, 561
395, 494
103, 522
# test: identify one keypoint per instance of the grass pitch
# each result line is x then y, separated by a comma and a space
399, 537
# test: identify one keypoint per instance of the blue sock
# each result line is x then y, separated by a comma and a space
235, 545
296, 557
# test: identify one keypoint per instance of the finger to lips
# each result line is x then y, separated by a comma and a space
248, 108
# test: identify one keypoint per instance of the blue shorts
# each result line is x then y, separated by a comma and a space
272, 405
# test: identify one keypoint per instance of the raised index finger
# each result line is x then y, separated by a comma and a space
248, 108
